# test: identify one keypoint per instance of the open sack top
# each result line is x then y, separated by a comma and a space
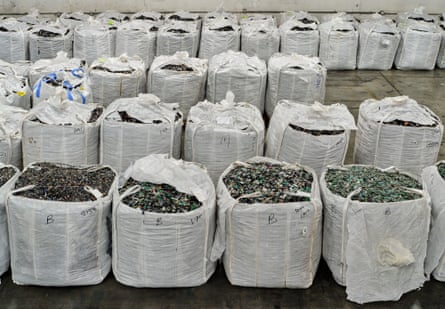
13, 25
119, 65
295, 62
139, 26
147, 16
179, 63
53, 30
238, 61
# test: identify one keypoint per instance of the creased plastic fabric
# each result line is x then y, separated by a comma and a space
59, 243
137, 38
245, 76
165, 250
33, 18
296, 78
4, 240
220, 14
160, 131
405, 147
11, 119
218, 134
378, 43
178, 36
14, 89
441, 55
119, 77
338, 44
219, 35
269, 245
92, 41
58, 131
300, 35
435, 258
46, 40
74, 19
285, 140
260, 39
14, 40
377, 250
112, 18
147, 16
184, 87
185, 17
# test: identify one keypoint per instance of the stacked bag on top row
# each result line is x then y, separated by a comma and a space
340, 40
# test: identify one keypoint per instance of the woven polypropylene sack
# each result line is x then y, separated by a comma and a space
92, 41
219, 35
365, 242
165, 250
178, 37
11, 119
300, 37
47, 40
159, 131
14, 89
441, 55
14, 40
260, 39
269, 245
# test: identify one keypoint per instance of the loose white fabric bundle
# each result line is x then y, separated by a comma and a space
376, 249
296, 78
119, 77
178, 79
379, 39
176, 37
300, 35
4, 241
338, 44
159, 130
14, 40
137, 38
45, 41
57, 243
245, 76
260, 38
218, 134
165, 250
288, 140
60, 131
409, 148
269, 245
93, 40
219, 35
11, 119
14, 89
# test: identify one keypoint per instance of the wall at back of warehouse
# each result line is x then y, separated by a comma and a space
359, 6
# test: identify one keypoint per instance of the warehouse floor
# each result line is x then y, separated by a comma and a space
350, 88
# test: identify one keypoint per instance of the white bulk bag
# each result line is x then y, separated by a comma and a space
93, 40
441, 55
417, 14
296, 78
260, 39
338, 45
219, 35
14, 89
378, 42
119, 77
46, 40
159, 130
57, 243
20, 68
434, 184
217, 134
233, 71
377, 250
301, 16
74, 19
4, 241
14, 39
11, 119
60, 131
165, 250
419, 47
408, 148
178, 79
147, 16
185, 17
178, 36
269, 245
73, 85
137, 38
300, 37
60, 63
33, 18
288, 138
112, 18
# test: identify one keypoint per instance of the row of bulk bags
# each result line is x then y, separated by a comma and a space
397, 132
233, 71
376, 249
62, 131
294, 77
11, 119
136, 127
4, 190
152, 249
220, 133
313, 135
80, 254
178, 79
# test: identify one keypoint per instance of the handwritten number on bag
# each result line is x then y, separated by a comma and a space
50, 219
195, 220
272, 219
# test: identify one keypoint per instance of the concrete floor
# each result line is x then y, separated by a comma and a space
350, 88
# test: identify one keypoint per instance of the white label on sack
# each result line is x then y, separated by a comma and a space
78, 131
